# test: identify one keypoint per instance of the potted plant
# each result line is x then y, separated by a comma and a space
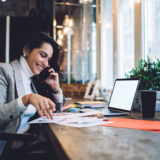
149, 72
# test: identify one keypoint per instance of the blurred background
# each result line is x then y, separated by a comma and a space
102, 39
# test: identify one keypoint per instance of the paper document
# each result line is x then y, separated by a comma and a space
88, 124
46, 120
80, 120
60, 117
83, 122
73, 120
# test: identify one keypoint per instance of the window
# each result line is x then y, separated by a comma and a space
126, 37
75, 30
152, 28
106, 44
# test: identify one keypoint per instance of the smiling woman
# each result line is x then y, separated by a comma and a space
23, 94
39, 58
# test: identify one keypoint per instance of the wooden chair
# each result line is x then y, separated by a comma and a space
73, 90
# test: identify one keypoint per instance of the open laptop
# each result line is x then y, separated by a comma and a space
122, 97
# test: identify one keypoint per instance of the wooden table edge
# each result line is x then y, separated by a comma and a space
60, 151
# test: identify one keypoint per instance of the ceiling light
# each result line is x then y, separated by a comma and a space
54, 22
85, 1
59, 32
61, 36
137, 1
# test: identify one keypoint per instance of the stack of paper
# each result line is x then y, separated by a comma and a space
74, 120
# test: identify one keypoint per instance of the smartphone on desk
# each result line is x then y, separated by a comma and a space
44, 75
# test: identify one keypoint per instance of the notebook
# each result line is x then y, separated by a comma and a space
90, 104
122, 97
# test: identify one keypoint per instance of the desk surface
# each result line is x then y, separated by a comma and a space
101, 143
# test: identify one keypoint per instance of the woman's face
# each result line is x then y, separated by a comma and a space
39, 58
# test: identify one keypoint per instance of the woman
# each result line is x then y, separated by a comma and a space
21, 93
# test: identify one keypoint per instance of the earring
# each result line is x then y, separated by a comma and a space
24, 55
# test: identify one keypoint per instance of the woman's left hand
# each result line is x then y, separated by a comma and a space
53, 80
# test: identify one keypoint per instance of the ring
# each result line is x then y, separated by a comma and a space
50, 107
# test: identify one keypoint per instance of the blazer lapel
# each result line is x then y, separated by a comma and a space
18, 78
33, 86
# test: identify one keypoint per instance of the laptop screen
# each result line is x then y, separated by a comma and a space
123, 94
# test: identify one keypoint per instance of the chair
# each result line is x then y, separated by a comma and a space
15, 137
73, 90
25, 137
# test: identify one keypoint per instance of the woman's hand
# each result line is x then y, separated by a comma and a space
40, 103
53, 80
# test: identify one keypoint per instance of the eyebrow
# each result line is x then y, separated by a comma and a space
45, 53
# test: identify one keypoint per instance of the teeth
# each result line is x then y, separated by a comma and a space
39, 67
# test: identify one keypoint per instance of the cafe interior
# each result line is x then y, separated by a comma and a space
102, 40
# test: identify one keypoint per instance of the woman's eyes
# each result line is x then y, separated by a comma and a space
42, 55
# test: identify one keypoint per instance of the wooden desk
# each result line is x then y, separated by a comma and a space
105, 143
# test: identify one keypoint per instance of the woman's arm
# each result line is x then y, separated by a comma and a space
53, 82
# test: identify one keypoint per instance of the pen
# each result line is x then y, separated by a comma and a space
105, 119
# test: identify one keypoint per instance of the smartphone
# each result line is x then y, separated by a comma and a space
44, 75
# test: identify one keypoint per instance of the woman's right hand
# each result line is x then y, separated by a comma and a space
41, 104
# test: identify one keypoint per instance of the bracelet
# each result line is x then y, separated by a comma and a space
55, 92
29, 97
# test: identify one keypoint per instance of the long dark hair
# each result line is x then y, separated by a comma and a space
35, 40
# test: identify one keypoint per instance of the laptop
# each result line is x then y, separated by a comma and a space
122, 97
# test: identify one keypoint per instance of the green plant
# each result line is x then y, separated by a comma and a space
149, 72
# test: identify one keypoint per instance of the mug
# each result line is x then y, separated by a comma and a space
148, 98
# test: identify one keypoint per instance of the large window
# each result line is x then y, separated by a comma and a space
151, 37
75, 31
106, 44
126, 37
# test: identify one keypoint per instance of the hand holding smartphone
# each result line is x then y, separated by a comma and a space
44, 75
